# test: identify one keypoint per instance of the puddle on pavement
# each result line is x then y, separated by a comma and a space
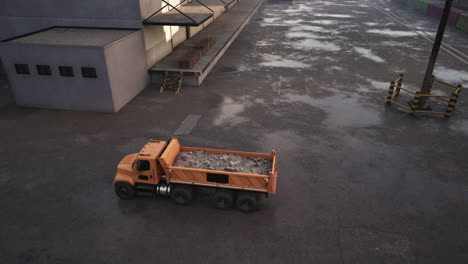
270, 20
300, 8
373, 86
359, 12
264, 43
367, 53
259, 100
332, 15
378, 85
334, 68
392, 33
340, 110
308, 28
350, 4
284, 141
452, 76
431, 33
325, 22
310, 44
304, 34
270, 60
229, 112
278, 20
407, 45
244, 67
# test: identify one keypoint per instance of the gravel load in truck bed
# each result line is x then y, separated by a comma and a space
223, 162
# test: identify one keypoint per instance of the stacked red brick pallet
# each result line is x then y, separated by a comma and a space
195, 54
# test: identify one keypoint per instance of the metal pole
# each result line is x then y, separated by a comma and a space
427, 83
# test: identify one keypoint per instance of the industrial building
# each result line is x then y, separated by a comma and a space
98, 55
76, 68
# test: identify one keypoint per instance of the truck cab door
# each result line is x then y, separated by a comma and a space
144, 171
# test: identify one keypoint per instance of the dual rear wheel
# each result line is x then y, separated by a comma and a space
225, 199
182, 194
246, 201
222, 198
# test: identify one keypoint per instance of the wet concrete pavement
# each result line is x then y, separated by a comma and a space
358, 182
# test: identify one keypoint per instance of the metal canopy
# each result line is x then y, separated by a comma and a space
186, 13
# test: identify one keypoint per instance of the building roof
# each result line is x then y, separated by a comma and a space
75, 36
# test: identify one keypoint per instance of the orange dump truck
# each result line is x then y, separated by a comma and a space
153, 170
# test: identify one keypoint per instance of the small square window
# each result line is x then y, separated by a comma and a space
89, 72
43, 70
66, 71
22, 68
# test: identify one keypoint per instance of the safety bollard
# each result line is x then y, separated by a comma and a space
415, 102
399, 84
390, 93
453, 102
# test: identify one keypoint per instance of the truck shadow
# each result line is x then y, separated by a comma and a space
148, 204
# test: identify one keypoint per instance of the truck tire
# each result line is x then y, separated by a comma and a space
223, 199
124, 190
246, 202
182, 194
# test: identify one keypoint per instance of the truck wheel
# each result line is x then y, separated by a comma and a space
182, 194
246, 202
124, 190
223, 199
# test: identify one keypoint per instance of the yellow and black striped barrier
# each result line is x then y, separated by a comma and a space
414, 108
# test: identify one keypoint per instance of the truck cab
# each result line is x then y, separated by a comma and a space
141, 169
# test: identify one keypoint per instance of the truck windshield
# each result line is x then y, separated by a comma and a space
143, 165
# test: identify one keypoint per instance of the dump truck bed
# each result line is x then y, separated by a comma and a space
218, 178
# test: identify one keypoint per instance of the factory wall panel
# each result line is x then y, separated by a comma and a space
126, 66
179, 34
194, 30
157, 53
149, 7
157, 43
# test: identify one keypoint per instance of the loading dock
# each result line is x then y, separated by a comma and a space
224, 30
